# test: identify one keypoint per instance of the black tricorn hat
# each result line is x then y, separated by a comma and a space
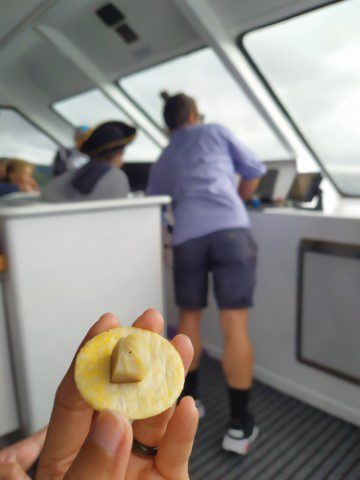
107, 136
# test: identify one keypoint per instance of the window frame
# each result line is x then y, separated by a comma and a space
257, 70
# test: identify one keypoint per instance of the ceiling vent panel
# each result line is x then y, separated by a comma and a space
110, 14
127, 33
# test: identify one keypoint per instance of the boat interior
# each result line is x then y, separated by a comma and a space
284, 77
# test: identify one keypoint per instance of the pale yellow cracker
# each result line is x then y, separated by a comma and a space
159, 389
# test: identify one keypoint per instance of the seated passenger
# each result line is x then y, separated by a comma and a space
5, 188
101, 178
71, 158
3, 162
18, 178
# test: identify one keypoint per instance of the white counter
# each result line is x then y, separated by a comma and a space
273, 319
278, 233
350, 210
39, 209
67, 265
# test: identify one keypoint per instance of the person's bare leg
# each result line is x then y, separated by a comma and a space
238, 357
238, 362
189, 324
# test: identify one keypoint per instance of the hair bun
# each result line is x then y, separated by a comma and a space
164, 95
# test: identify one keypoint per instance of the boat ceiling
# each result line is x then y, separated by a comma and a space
36, 73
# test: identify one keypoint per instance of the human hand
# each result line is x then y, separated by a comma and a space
82, 444
25, 187
28, 185
18, 458
35, 185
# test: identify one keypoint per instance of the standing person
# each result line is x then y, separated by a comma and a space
212, 234
100, 178
71, 158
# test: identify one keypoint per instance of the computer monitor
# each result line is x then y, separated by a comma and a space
305, 187
265, 190
286, 172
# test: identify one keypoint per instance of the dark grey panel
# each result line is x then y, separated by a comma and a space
328, 319
331, 312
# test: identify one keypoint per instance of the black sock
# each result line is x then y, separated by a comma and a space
191, 383
238, 404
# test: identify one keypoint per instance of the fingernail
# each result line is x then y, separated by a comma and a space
109, 430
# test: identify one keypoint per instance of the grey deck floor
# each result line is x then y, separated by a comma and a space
296, 441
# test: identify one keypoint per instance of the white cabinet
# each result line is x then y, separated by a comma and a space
9, 420
68, 264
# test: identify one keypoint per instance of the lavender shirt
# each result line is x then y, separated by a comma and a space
197, 169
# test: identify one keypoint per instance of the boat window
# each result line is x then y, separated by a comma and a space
93, 107
19, 138
311, 63
202, 75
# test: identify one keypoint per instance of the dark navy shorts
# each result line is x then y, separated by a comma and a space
231, 257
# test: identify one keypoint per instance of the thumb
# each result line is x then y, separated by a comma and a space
106, 451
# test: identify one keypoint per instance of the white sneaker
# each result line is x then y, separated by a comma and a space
239, 440
200, 406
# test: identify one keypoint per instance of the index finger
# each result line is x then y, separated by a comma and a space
71, 417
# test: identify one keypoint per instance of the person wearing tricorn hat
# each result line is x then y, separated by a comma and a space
101, 178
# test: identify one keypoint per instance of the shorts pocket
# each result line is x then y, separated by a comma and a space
230, 247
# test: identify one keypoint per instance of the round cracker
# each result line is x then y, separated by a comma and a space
155, 393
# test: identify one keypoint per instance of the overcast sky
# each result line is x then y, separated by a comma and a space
313, 63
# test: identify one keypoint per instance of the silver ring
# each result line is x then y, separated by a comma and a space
143, 450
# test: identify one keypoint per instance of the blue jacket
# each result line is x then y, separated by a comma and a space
6, 188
